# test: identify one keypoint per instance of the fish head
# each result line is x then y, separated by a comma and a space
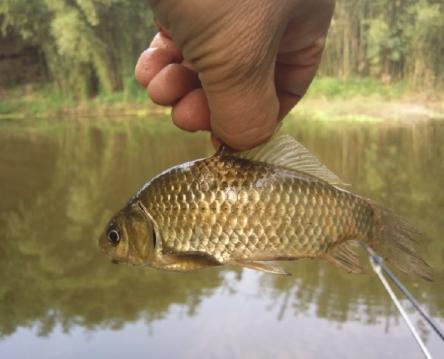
130, 236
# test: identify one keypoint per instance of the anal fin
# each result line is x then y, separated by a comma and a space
344, 256
260, 266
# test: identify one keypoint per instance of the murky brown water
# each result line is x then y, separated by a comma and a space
59, 297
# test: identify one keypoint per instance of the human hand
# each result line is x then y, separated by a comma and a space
234, 67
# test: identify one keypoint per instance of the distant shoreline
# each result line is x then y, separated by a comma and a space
328, 99
369, 110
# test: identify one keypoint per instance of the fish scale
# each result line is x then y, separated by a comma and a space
294, 215
274, 202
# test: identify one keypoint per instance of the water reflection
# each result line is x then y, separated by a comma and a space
61, 187
61, 182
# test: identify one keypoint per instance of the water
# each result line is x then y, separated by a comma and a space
60, 181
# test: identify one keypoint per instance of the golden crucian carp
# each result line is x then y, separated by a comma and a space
252, 208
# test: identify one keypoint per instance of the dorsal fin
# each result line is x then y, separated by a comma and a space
283, 150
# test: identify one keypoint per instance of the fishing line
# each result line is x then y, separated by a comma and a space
380, 262
412, 300
378, 267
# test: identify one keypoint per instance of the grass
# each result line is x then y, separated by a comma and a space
33, 99
361, 99
369, 100
45, 100
334, 88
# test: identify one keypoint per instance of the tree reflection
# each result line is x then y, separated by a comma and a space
398, 167
61, 183
51, 269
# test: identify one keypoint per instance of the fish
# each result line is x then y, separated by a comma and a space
252, 209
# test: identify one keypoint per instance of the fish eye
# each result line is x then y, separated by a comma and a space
114, 237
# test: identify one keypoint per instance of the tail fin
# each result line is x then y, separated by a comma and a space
397, 242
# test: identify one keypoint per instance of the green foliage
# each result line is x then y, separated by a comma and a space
389, 40
427, 43
90, 46
27, 18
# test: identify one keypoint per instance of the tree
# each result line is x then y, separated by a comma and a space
88, 45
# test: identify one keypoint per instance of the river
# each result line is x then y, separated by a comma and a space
61, 180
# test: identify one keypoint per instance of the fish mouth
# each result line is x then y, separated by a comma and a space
107, 249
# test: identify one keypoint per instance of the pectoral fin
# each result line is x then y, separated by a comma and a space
343, 255
187, 261
260, 266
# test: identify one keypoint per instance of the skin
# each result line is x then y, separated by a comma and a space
234, 68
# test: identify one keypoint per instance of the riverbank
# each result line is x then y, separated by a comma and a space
328, 99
